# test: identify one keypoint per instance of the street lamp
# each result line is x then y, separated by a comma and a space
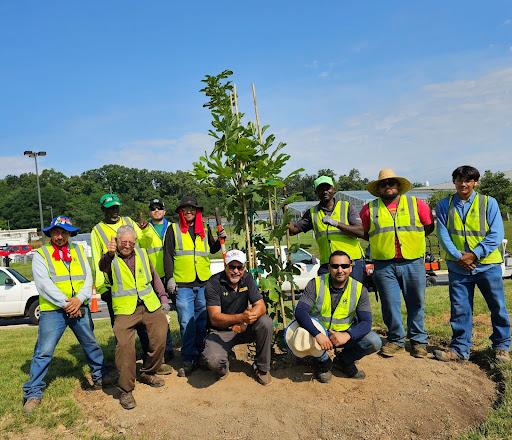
34, 154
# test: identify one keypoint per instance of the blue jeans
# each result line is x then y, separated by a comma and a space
392, 279
462, 290
355, 350
191, 307
357, 273
51, 327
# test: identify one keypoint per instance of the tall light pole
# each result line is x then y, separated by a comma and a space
34, 154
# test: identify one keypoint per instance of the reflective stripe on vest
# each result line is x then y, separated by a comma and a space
191, 258
472, 230
127, 221
152, 242
126, 290
342, 317
406, 225
68, 280
331, 239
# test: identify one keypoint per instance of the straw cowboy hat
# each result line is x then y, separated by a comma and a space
300, 341
388, 173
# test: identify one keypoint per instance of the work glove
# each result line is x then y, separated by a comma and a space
328, 220
171, 286
166, 308
222, 234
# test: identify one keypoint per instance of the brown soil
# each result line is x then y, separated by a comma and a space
401, 398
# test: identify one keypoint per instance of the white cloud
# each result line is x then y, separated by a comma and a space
323, 75
17, 165
425, 136
160, 154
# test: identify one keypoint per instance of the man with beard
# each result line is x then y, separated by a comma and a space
233, 322
337, 227
101, 235
395, 225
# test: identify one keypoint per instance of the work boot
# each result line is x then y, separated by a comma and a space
164, 370
187, 369
127, 401
322, 371
262, 377
390, 349
152, 380
447, 356
418, 350
222, 373
31, 404
350, 370
502, 356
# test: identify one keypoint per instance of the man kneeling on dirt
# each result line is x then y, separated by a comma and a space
341, 304
232, 322
134, 302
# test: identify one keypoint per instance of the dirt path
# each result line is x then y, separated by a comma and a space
401, 398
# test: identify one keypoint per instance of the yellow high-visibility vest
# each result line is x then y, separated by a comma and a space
126, 288
331, 239
343, 316
154, 246
406, 225
101, 234
191, 258
68, 280
472, 230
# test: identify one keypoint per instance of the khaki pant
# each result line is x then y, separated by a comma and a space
124, 330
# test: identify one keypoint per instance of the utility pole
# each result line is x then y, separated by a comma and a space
34, 154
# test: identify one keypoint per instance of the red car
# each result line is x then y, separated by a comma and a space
20, 249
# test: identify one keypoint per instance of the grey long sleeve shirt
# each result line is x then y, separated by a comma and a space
47, 288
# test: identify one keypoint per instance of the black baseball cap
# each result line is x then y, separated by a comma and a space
156, 202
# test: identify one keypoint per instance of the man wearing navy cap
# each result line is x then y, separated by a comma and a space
64, 281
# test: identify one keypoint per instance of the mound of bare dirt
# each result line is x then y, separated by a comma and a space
401, 398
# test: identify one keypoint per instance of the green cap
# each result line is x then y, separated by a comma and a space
323, 179
108, 200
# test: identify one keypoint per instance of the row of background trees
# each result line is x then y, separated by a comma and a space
78, 196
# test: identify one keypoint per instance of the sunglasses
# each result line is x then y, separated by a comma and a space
156, 208
234, 267
342, 265
388, 182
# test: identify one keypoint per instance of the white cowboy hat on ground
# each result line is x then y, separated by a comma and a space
300, 341
388, 173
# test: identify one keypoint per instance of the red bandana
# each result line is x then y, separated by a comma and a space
198, 226
66, 256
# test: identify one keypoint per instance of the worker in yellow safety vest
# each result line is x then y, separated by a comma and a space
63, 279
396, 225
336, 225
470, 230
187, 247
341, 307
138, 297
153, 234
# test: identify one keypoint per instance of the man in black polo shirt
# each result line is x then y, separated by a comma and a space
237, 315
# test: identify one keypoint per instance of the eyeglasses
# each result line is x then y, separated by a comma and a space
233, 267
388, 182
127, 243
342, 265
156, 208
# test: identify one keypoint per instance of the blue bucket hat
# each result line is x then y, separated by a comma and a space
62, 222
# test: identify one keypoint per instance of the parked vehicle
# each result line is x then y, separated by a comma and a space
305, 262
10, 249
18, 296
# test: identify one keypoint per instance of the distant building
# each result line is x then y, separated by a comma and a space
18, 236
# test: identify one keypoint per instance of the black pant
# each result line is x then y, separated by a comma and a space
219, 342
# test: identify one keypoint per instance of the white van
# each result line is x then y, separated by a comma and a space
18, 296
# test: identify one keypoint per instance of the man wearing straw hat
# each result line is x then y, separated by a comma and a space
395, 225
334, 313
64, 281
336, 225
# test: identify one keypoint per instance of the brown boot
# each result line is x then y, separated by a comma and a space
262, 377
30, 405
418, 350
152, 380
127, 401
390, 349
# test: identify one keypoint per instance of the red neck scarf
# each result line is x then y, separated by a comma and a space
66, 256
198, 225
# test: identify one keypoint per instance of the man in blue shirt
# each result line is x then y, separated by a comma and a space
470, 229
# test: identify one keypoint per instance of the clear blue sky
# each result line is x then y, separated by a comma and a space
418, 86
